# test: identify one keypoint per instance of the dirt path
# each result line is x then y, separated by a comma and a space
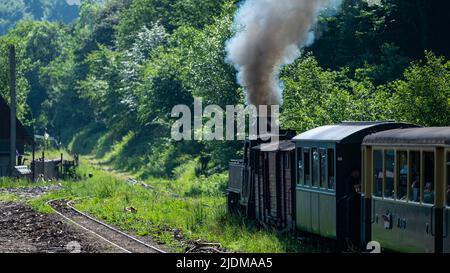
23, 230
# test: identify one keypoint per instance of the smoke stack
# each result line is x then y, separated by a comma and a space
13, 114
269, 35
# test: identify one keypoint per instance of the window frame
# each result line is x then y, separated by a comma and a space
315, 164
287, 160
446, 176
307, 183
298, 159
374, 150
323, 169
421, 150
385, 174
397, 173
333, 162
410, 152
435, 174
363, 170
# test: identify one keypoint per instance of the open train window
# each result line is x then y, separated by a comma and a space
363, 169
402, 175
261, 166
414, 176
447, 190
378, 173
300, 167
287, 161
323, 169
315, 168
330, 157
428, 185
389, 173
307, 167
247, 153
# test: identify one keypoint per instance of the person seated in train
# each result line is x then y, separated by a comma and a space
353, 182
416, 189
428, 194
331, 183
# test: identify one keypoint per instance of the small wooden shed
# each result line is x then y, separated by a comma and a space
23, 137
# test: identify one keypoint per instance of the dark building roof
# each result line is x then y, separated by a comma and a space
22, 133
436, 136
284, 146
347, 132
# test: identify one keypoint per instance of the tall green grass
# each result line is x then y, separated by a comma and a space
192, 207
182, 201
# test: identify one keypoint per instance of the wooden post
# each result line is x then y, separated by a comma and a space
13, 114
33, 161
62, 164
43, 165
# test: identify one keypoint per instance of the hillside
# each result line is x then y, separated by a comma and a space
13, 11
106, 84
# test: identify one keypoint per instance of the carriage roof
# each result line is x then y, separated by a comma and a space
347, 132
434, 136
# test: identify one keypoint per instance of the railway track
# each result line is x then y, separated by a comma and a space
123, 242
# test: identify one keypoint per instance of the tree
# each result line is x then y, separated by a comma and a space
171, 13
424, 96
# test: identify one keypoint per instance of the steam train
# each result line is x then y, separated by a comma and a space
352, 182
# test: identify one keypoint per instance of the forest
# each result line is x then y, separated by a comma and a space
103, 77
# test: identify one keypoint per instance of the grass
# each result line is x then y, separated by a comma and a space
192, 207
188, 205
22, 183
8, 197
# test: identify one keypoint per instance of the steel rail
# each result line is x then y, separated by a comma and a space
69, 206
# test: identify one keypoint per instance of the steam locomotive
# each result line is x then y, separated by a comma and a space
352, 182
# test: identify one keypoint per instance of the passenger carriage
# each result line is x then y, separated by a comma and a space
407, 186
326, 204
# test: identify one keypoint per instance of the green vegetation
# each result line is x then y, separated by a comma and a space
188, 207
105, 85
8, 197
13, 11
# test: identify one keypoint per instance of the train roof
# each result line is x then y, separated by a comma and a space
347, 132
284, 146
434, 136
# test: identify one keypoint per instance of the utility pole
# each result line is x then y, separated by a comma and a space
12, 106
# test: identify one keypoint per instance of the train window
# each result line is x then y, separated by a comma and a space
287, 161
248, 154
315, 168
428, 185
323, 169
307, 167
330, 157
363, 169
447, 191
415, 177
389, 174
378, 173
300, 166
402, 175
260, 166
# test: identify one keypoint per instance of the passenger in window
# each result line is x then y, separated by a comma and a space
353, 182
403, 176
428, 194
331, 183
416, 189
